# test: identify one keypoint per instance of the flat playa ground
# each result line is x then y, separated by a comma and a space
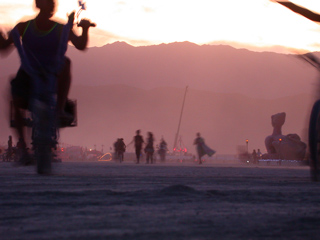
108, 200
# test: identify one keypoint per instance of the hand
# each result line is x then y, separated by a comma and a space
5, 44
86, 23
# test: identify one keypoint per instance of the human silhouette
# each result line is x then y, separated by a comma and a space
202, 148
120, 149
163, 150
138, 143
149, 149
254, 156
41, 39
9, 149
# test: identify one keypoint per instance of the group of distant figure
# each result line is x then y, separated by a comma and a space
120, 148
12, 153
149, 149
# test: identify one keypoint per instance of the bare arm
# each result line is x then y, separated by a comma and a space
302, 11
130, 142
7, 43
80, 42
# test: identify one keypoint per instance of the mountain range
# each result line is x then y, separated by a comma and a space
216, 68
220, 69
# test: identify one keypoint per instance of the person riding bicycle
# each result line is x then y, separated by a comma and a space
41, 37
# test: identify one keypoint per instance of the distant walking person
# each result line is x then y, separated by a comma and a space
138, 142
10, 149
121, 148
202, 148
254, 156
149, 149
10, 144
163, 150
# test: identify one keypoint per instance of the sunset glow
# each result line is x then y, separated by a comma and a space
255, 23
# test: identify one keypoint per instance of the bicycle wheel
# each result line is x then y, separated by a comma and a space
43, 139
314, 141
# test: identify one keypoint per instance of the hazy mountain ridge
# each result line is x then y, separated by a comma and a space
214, 68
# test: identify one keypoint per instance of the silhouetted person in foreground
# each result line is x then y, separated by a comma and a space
202, 148
300, 10
41, 39
149, 149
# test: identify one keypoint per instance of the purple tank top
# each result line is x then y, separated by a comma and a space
41, 48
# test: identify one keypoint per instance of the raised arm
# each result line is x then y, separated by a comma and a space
302, 11
80, 42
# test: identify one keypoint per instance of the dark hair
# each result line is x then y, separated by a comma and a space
39, 6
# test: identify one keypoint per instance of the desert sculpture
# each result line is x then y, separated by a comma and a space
279, 146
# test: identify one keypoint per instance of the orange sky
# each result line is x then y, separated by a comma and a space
248, 23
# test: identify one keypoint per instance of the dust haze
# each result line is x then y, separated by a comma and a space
231, 96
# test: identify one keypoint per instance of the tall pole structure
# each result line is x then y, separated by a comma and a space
177, 134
